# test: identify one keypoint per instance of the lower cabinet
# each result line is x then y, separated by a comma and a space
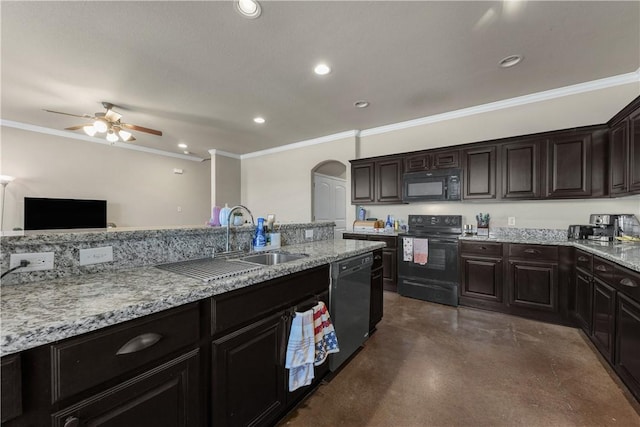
533, 285
167, 395
582, 297
377, 294
627, 354
11, 377
604, 310
389, 257
481, 281
248, 374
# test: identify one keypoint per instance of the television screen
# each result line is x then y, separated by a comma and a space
58, 214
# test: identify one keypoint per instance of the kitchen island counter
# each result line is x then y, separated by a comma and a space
39, 313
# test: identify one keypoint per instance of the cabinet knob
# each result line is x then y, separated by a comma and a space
140, 343
72, 422
583, 259
484, 248
601, 267
531, 251
628, 282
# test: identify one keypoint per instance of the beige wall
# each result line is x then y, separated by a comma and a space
225, 180
280, 183
140, 188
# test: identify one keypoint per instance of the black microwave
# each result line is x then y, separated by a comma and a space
431, 186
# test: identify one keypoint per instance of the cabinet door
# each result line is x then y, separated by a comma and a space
583, 296
248, 374
417, 162
627, 355
604, 310
569, 166
389, 267
165, 396
376, 308
388, 176
11, 396
521, 170
362, 182
533, 285
482, 278
634, 151
479, 166
618, 159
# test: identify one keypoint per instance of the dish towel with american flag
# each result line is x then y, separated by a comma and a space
325, 335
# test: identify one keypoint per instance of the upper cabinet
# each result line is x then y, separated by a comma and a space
479, 171
428, 160
624, 151
376, 181
522, 169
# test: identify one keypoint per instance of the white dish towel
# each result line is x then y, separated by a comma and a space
301, 350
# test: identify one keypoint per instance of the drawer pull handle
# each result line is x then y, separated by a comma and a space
483, 248
71, 422
532, 251
628, 282
583, 258
601, 267
140, 343
377, 257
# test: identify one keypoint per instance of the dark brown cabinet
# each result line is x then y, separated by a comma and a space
248, 374
377, 182
377, 294
582, 294
11, 396
624, 151
167, 395
604, 309
479, 172
627, 351
481, 275
576, 164
432, 159
634, 152
389, 257
521, 169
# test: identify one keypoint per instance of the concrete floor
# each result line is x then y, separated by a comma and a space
433, 365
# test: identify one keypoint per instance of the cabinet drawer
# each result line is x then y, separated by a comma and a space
584, 260
236, 308
83, 362
604, 270
484, 248
627, 282
517, 250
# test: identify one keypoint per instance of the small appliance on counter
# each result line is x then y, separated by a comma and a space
605, 227
367, 226
579, 232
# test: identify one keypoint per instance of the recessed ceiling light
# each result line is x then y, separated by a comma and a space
248, 8
181, 145
322, 69
259, 120
510, 61
361, 104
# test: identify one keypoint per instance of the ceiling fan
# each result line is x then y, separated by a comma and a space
110, 123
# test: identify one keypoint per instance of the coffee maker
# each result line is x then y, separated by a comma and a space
606, 227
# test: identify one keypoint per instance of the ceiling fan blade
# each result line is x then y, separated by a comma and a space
77, 127
112, 116
141, 129
84, 116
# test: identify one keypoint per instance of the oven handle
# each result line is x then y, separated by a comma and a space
437, 240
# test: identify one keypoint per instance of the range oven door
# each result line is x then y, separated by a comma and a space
437, 280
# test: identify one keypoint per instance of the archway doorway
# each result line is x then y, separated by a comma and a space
329, 201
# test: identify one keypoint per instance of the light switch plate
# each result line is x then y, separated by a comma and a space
308, 234
96, 255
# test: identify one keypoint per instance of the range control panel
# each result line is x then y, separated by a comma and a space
448, 223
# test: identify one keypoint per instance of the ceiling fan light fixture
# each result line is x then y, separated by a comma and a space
124, 135
89, 130
322, 69
248, 8
100, 125
259, 120
112, 137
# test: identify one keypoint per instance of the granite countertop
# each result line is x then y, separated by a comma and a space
42, 312
374, 233
626, 254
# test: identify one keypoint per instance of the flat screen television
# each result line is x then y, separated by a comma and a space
59, 214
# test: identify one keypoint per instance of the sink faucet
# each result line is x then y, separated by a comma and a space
233, 209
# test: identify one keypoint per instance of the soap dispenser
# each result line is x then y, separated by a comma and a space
260, 238
224, 215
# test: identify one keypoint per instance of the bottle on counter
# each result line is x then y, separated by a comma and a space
260, 238
389, 224
224, 215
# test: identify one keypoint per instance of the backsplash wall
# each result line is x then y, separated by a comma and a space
548, 214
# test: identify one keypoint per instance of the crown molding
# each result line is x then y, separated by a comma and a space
302, 144
87, 138
546, 95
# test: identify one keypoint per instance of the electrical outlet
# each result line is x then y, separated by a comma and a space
37, 261
96, 255
511, 220
179, 208
308, 234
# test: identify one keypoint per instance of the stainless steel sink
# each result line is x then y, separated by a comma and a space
272, 258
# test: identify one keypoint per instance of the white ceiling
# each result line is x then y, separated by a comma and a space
200, 72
